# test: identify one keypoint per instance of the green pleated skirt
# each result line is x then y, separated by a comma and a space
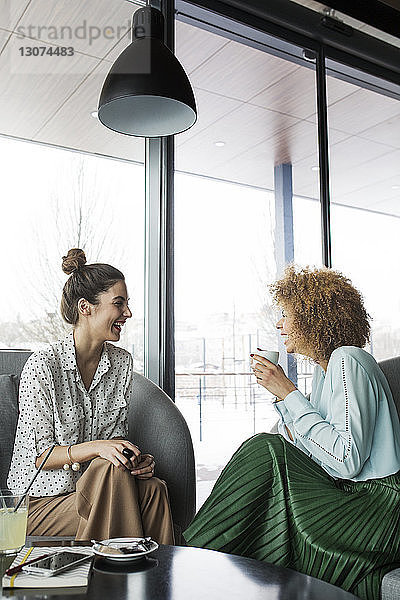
275, 504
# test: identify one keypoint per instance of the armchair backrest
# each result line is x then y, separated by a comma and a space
155, 425
391, 370
11, 363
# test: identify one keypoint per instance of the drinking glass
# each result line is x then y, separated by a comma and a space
12, 523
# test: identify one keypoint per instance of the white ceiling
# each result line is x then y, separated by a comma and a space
50, 98
261, 106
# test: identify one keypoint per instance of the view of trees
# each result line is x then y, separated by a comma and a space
68, 200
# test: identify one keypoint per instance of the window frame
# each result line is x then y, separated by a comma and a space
252, 20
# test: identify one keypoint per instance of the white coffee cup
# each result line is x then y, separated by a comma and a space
270, 355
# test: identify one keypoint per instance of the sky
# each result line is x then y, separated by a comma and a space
40, 198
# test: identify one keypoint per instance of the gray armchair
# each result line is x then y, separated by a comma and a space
390, 589
11, 364
155, 425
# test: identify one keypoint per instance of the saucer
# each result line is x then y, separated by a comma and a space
109, 549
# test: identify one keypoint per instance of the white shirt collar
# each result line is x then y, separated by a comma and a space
68, 358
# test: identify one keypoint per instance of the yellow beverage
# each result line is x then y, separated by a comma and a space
12, 528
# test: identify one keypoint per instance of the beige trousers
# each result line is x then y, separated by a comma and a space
108, 502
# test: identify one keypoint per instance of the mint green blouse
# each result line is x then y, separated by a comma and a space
350, 424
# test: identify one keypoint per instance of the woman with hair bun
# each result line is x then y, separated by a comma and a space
74, 395
323, 496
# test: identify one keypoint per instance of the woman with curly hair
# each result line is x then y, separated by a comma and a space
323, 496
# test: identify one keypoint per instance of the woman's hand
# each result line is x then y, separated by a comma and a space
111, 450
145, 467
272, 377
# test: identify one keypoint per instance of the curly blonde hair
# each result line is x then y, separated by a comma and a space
327, 309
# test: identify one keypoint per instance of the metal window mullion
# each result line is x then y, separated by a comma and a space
159, 357
159, 347
168, 232
167, 321
284, 245
152, 305
323, 151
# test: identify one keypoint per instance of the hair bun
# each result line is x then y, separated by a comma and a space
74, 260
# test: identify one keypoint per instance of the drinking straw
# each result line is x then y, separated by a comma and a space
34, 477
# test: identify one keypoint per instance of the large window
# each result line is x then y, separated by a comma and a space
224, 258
227, 248
365, 189
54, 58
258, 113
68, 181
53, 200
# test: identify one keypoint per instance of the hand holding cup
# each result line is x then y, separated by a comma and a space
269, 374
271, 355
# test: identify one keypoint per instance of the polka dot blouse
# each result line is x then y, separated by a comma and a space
56, 408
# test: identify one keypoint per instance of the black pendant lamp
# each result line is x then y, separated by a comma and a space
147, 93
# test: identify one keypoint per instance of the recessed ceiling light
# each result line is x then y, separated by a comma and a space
94, 114
315, 168
219, 144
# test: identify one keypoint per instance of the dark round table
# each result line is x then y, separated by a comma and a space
179, 573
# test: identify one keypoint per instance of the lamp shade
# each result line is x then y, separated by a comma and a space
147, 92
